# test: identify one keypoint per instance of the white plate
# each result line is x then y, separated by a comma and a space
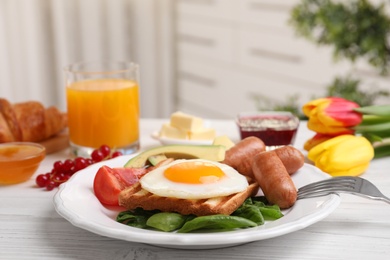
169, 141
76, 202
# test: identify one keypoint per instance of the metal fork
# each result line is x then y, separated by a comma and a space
353, 185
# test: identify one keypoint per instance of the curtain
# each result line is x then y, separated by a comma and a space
39, 37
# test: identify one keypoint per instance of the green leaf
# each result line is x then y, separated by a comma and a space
373, 128
378, 110
166, 221
271, 212
130, 219
382, 151
217, 222
374, 119
250, 212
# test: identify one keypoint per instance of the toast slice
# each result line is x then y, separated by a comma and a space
136, 197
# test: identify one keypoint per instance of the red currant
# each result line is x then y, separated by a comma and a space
105, 149
66, 177
80, 163
50, 185
97, 156
56, 178
68, 164
116, 154
57, 166
41, 180
63, 170
89, 161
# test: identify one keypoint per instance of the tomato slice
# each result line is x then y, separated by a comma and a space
107, 186
109, 182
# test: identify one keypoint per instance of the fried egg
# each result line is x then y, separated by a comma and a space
194, 179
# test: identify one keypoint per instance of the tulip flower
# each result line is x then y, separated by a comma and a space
332, 115
343, 155
315, 140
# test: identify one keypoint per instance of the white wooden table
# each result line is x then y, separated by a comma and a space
30, 228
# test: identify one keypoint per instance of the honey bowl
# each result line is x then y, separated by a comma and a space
274, 128
19, 161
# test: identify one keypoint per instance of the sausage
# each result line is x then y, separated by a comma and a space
274, 180
292, 158
241, 155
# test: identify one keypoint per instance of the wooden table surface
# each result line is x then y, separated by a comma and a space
30, 228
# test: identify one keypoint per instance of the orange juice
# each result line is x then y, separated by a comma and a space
103, 111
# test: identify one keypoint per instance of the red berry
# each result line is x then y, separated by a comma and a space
63, 170
50, 185
105, 149
57, 180
116, 154
57, 166
97, 156
80, 163
41, 180
68, 164
73, 170
89, 161
66, 177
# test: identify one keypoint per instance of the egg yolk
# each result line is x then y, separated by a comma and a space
194, 173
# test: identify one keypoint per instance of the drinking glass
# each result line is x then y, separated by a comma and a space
103, 106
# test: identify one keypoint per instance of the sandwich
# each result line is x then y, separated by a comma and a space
196, 186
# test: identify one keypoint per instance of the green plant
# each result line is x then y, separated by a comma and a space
348, 88
355, 28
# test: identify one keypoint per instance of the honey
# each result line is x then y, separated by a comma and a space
19, 161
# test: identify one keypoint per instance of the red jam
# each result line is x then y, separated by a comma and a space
273, 129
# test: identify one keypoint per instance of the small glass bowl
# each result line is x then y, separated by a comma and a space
19, 161
272, 127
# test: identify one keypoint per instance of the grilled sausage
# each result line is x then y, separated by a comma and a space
241, 155
274, 180
292, 158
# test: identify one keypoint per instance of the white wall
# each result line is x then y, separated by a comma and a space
233, 56
213, 58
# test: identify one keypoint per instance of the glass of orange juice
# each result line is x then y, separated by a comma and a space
103, 106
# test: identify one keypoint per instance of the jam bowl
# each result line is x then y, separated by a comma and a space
19, 161
274, 128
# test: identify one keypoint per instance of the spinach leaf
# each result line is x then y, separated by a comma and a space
130, 218
250, 212
271, 212
253, 212
135, 218
166, 221
220, 222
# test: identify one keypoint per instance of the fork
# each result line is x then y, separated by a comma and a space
353, 185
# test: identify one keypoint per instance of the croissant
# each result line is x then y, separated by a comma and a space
29, 121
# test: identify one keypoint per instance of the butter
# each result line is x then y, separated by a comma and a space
203, 134
223, 140
185, 126
169, 131
186, 122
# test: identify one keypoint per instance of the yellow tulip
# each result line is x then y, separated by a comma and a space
316, 140
343, 155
